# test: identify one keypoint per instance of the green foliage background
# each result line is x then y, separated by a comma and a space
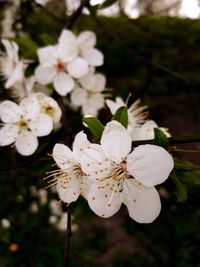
174, 239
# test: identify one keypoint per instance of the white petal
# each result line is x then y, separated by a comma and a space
26, 143
63, 84
67, 50
150, 164
48, 55
94, 103
114, 105
66, 36
30, 107
116, 141
85, 187
17, 75
143, 203
10, 112
68, 190
42, 125
93, 56
63, 156
93, 82
8, 134
86, 40
103, 201
78, 67
80, 143
78, 96
45, 75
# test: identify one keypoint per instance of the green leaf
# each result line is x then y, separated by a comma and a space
160, 139
121, 116
28, 47
185, 165
181, 188
95, 126
48, 39
107, 3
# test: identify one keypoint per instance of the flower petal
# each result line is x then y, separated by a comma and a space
63, 84
93, 82
8, 134
78, 67
63, 156
115, 141
42, 125
26, 143
67, 50
17, 75
150, 164
86, 40
114, 105
48, 55
94, 103
68, 190
10, 112
78, 96
93, 56
80, 143
45, 75
103, 201
143, 203
30, 107
66, 36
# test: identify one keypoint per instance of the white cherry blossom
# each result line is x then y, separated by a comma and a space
123, 177
22, 124
11, 67
70, 180
49, 106
89, 95
41, 2
85, 46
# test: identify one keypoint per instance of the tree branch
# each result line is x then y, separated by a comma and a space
69, 235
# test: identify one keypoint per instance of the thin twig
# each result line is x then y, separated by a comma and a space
69, 235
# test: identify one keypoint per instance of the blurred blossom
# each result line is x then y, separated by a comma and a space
5, 223
52, 219
55, 207
34, 207
41, 2
43, 194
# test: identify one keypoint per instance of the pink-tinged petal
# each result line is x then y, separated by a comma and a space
45, 74
150, 164
10, 112
93, 56
63, 84
67, 51
8, 134
78, 96
63, 156
116, 141
78, 67
42, 125
103, 200
66, 36
143, 203
48, 55
86, 40
80, 143
26, 143
30, 107
68, 190
114, 105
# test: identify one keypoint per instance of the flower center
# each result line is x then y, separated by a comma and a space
60, 67
49, 110
22, 124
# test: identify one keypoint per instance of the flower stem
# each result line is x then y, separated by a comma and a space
69, 235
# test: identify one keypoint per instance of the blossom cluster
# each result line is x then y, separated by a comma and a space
111, 173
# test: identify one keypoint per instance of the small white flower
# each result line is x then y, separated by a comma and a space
49, 106
23, 88
85, 43
146, 131
53, 68
124, 177
89, 94
34, 207
70, 179
11, 67
22, 124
